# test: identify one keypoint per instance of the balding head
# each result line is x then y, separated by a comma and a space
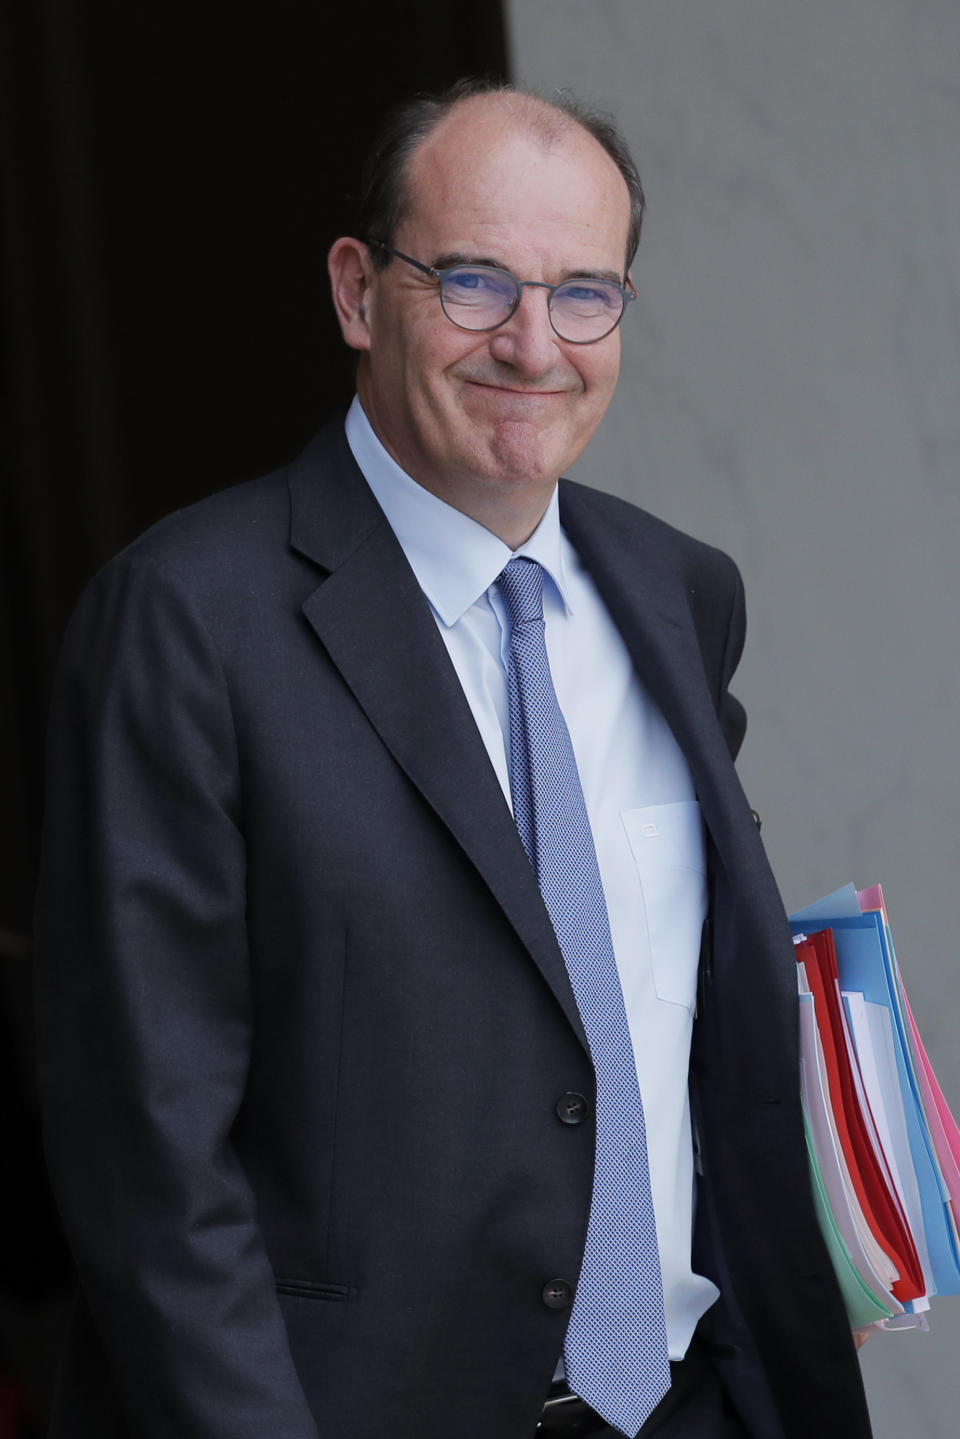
385, 193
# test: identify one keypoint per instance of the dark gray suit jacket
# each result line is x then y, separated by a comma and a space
303, 1019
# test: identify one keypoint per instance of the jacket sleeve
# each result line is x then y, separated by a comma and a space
144, 1018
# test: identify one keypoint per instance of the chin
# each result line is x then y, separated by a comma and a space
524, 459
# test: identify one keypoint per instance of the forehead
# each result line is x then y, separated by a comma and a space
486, 177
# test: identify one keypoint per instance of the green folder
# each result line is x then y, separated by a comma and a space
863, 1305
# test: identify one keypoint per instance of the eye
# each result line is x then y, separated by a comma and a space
466, 280
589, 296
479, 285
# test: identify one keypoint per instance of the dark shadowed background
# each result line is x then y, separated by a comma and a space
172, 177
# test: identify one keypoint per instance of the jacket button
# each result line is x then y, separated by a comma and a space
557, 1294
572, 1108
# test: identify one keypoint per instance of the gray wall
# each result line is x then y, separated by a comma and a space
791, 392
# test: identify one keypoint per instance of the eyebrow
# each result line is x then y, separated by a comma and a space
448, 261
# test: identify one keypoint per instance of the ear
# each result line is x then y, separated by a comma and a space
351, 275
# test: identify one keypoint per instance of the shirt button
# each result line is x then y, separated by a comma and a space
572, 1108
557, 1294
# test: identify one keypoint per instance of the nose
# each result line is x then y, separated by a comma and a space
527, 342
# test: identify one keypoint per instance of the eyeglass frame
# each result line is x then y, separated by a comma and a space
440, 274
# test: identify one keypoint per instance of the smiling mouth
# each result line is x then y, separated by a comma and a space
514, 390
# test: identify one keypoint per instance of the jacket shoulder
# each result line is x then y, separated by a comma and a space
686, 556
220, 531
254, 532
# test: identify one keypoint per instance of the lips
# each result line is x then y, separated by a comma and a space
515, 393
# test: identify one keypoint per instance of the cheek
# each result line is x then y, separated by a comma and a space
608, 361
601, 375
436, 368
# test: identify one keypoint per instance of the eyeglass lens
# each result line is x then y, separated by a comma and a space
478, 297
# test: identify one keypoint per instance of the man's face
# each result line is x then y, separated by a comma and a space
484, 415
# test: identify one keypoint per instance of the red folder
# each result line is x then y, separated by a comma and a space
878, 1200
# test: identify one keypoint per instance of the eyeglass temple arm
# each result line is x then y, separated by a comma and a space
399, 255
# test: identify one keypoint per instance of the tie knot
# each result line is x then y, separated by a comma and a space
521, 584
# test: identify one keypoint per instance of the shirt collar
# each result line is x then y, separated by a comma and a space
454, 558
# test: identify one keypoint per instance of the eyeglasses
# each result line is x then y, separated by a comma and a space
483, 297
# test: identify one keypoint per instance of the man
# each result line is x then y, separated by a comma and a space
366, 1097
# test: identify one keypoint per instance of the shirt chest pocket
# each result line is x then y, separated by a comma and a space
667, 844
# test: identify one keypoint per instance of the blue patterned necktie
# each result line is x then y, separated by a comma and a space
615, 1352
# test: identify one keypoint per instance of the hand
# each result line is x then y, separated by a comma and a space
860, 1336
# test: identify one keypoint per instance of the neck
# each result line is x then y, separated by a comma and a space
512, 518
509, 506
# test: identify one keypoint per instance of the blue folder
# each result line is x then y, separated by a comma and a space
866, 962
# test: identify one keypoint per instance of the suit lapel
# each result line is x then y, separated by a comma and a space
375, 624
644, 593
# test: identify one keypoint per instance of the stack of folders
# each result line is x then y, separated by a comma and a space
884, 1147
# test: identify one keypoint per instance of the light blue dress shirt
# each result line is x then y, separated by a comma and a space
638, 792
